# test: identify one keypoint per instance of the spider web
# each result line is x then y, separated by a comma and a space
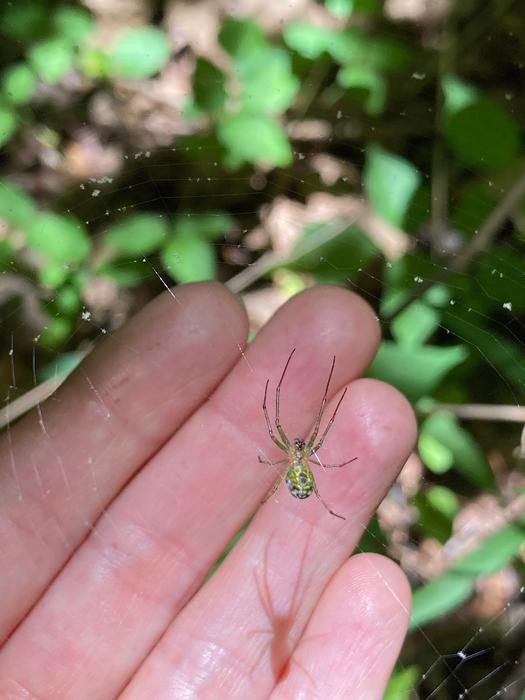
482, 660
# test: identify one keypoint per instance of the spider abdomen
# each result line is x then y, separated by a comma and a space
300, 480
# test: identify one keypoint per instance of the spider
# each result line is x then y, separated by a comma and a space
299, 476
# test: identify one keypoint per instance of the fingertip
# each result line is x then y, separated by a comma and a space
382, 588
387, 416
343, 307
325, 319
215, 300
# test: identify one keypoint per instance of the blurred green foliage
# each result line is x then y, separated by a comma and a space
416, 121
449, 590
139, 53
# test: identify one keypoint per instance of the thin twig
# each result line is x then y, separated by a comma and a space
270, 260
29, 400
490, 226
511, 513
481, 241
391, 241
478, 411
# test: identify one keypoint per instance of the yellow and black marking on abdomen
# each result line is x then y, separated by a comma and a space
300, 481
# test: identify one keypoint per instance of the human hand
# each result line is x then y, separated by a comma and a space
119, 494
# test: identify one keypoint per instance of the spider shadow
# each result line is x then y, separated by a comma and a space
280, 644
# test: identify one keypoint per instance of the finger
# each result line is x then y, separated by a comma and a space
268, 586
65, 462
157, 541
354, 636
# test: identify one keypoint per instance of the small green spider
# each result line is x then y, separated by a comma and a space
299, 476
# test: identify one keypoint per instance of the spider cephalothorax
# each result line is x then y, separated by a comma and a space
298, 475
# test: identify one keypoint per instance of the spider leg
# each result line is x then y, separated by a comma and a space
274, 487
269, 461
331, 466
279, 444
313, 437
278, 425
326, 505
330, 423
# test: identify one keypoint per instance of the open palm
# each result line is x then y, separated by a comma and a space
119, 494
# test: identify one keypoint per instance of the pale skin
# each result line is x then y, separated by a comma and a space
118, 497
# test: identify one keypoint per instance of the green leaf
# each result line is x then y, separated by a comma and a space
62, 365
72, 23
368, 7
269, 86
211, 225
437, 507
309, 40
366, 78
415, 371
492, 349
415, 324
402, 684
437, 457
139, 234
448, 591
67, 299
354, 47
443, 500
438, 295
373, 538
189, 258
439, 597
390, 183
52, 59
241, 36
93, 62
469, 459
350, 46
140, 52
474, 203
340, 8
61, 240
402, 280
57, 330
386, 53
16, 207
495, 552
254, 138
18, 83
25, 19
332, 259
500, 274
458, 94
53, 275
8, 123
128, 274
208, 87
6, 254
483, 136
